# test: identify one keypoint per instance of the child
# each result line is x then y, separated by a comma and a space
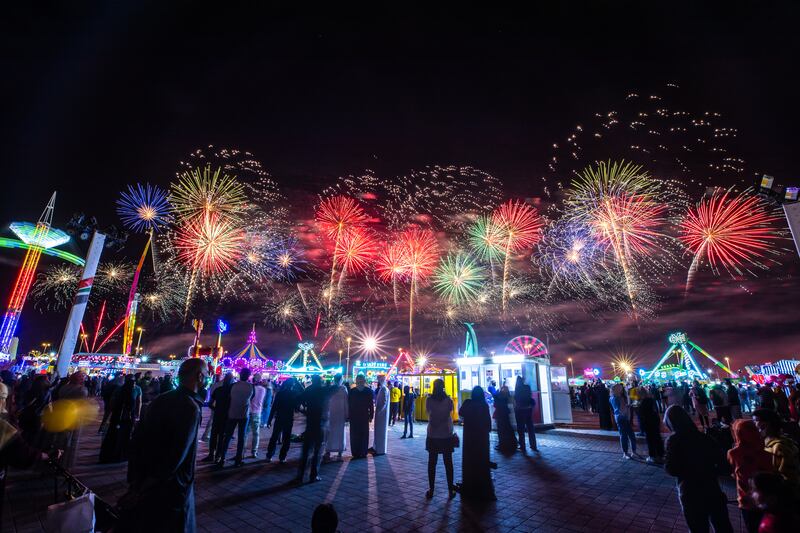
747, 458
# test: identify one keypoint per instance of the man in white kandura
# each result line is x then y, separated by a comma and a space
381, 416
338, 417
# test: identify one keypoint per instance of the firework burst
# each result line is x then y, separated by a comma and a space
354, 253
729, 231
628, 212
210, 244
570, 257
206, 191
520, 225
486, 238
144, 208
458, 279
421, 252
392, 266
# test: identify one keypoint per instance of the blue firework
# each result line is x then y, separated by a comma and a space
144, 208
570, 257
286, 258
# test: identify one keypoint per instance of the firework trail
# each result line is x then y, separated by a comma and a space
520, 225
628, 212
730, 231
485, 237
354, 253
421, 252
392, 266
339, 217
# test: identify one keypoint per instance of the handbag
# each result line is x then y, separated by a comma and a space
454, 440
73, 516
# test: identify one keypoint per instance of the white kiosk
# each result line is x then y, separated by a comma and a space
524, 356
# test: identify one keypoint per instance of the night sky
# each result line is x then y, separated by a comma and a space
99, 97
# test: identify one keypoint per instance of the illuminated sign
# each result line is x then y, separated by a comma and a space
678, 338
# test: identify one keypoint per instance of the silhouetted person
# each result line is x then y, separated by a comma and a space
315, 401
219, 403
324, 519
477, 482
694, 459
238, 416
282, 413
507, 441
125, 407
409, 397
523, 413
439, 407
361, 405
161, 468
603, 405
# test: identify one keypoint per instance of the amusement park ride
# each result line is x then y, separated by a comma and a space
686, 367
36, 239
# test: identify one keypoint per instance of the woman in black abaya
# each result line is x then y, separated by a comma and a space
507, 440
477, 484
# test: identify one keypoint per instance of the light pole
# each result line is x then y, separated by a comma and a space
83, 340
340, 358
728, 362
45, 346
139, 340
347, 371
571, 367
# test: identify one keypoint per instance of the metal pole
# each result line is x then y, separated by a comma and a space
67, 347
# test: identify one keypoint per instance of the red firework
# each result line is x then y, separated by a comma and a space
339, 215
420, 251
629, 223
354, 251
730, 231
520, 224
209, 244
392, 265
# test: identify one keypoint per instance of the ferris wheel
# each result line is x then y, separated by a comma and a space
527, 345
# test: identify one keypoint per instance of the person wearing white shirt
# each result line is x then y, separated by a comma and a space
241, 394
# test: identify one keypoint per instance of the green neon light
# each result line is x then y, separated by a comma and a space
699, 349
54, 252
660, 362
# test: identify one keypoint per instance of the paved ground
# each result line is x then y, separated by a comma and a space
576, 483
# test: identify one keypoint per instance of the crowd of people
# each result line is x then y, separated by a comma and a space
155, 424
747, 431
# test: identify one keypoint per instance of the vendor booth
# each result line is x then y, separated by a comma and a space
422, 383
524, 356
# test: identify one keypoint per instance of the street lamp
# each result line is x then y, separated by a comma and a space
728, 362
45, 346
340, 358
83, 340
347, 371
572, 368
139, 341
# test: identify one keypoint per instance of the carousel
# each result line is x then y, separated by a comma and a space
250, 357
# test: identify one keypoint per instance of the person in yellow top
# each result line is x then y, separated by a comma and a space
394, 404
783, 449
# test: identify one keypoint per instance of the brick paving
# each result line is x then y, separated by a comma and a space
577, 483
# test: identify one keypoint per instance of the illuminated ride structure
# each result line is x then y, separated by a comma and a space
251, 357
306, 359
685, 368
36, 239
